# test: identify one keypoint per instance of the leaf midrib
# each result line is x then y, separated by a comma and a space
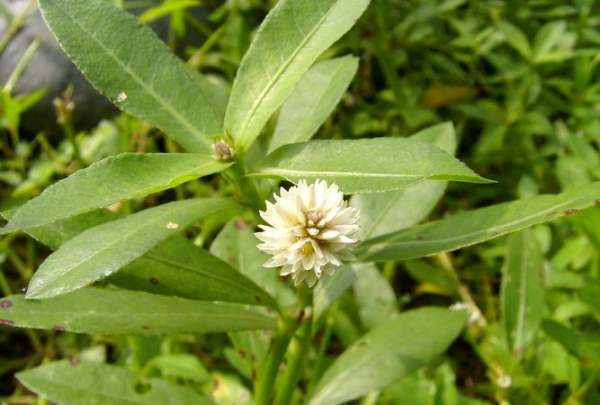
280, 71
184, 177
383, 212
188, 269
333, 173
169, 314
373, 249
315, 107
117, 241
150, 90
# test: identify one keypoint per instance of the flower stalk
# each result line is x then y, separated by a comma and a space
270, 366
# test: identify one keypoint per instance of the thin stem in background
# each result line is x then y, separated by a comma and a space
16, 24
295, 360
270, 365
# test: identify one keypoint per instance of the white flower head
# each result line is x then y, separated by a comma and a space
311, 230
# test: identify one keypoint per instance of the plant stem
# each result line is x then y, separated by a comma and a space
21, 65
70, 133
270, 365
16, 24
296, 355
323, 344
445, 261
248, 191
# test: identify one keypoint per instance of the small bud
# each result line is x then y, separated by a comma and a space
222, 151
64, 106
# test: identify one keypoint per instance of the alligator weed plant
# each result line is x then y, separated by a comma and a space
267, 256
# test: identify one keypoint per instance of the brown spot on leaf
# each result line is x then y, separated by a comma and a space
6, 304
240, 224
74, 360
154, 280
242, 353
6, 322
569, 212
58, 328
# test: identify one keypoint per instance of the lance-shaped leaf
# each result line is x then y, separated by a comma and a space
111, 180
375, 297
55, 234
313, 100
100, 251
382, 213
471, 227
116, 312
79, 382
174, 267
388, 353
127, 63
331, 287
236, 244
366, 165
177, 267
522, 297
585, 346
288, 42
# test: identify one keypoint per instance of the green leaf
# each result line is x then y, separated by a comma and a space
127, 63
178, 267
165, 9
522, 293
330, 288
590, 295
100, 251
433, 279
366, 165
375, 297
382, 213
76, 382
388, 353
547, 38
476, 226
287, 43
249, 349
185, 366
120, 312
236, 244
55, 234
313, 100
516, 38
113, 179
584, 346
229, 390
174, 267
